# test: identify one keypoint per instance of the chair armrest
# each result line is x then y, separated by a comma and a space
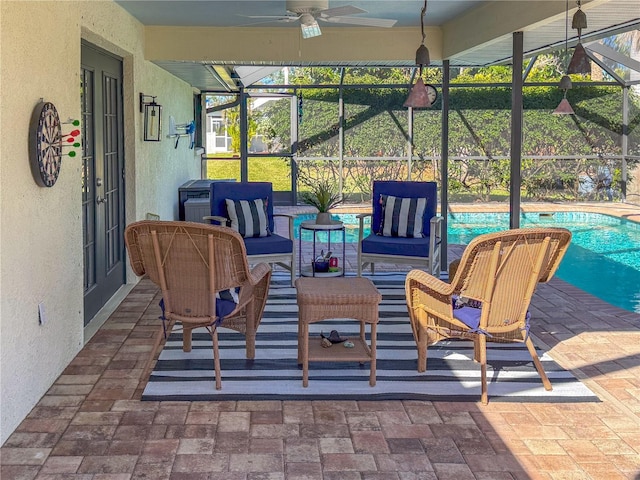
435, 242
215, 218
430, 293
291, 218
436, 227
258, 273
361, 217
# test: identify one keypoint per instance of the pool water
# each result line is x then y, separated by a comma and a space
603, 258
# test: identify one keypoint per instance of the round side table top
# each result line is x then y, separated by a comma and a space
312, 225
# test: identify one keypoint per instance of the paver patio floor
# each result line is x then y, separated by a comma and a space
91, 425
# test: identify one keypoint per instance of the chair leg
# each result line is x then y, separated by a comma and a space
186, 338
250, 336
159, 336
538, 365
476, 349
482, 351
216, 357
422, 351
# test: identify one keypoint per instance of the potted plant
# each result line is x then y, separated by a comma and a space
324, 196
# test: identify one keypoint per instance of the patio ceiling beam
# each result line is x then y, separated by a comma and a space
285, 45
492, 20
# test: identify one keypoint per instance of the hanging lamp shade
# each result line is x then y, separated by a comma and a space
564, 108
565, 83
418, 97
579, 61
422, 56
579, 20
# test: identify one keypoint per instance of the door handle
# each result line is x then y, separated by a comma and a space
100, 200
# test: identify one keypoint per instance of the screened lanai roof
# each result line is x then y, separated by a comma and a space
206, 42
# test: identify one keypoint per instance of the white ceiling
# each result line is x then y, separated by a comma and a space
475, 32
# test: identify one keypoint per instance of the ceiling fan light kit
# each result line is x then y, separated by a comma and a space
309, 26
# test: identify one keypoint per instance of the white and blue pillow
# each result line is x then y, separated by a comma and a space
249, 217
402, 216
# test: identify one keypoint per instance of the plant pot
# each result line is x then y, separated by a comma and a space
323, 218
320, 267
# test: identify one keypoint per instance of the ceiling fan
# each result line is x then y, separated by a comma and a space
308, 12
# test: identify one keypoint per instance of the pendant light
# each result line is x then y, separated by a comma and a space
419, 97
579, 61
564, 108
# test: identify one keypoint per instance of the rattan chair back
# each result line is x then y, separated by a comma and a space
191, 262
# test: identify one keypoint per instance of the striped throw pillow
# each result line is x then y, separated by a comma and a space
249, 217
402, 216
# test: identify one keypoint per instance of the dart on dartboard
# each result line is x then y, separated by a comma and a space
73, 122
72, 133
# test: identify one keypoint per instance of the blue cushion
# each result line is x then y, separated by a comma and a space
264, 245
470, 316
414, 247
470, 312
226, 302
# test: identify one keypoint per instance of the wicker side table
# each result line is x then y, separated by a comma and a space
325, 298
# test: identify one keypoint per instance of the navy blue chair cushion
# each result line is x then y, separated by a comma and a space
413, 247
271, 244
220, 191
226, 302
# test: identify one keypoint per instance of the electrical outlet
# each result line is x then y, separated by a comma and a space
42, 318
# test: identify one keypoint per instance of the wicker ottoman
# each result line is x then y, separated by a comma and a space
325, 298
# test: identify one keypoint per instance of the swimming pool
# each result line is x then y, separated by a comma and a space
603, 258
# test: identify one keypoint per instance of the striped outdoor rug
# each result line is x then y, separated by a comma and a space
274, 374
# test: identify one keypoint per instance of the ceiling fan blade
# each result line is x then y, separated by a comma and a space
341, 11
265, 22
364, 21
276, 18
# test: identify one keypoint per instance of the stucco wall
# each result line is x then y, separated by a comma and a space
41, 228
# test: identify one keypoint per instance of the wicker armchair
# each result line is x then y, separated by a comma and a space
488, 298
191, 263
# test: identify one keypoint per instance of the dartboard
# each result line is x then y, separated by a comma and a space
45, 144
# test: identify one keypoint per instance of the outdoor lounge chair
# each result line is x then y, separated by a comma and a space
204, 277
258, 232
488, 298
411, 233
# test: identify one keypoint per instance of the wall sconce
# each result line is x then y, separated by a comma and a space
152, 118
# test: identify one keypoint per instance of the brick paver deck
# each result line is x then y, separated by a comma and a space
91, 424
